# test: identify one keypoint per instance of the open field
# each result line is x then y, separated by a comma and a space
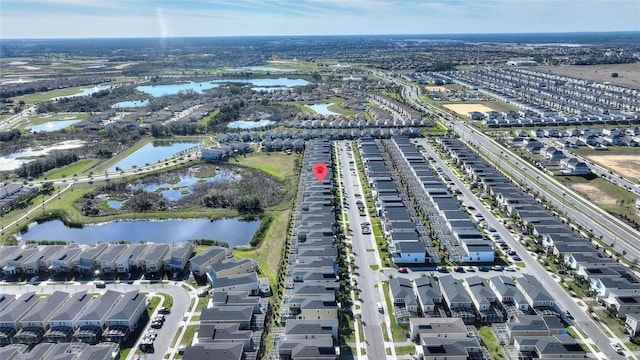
268, 254
436, 88
606, 195
628, 74
464, 109
626, 165
594, 193
278, 165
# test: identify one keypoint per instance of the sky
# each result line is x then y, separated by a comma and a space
178, 18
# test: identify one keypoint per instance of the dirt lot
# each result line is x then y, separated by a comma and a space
465, 109
628, 74
436, 88
594, 194
626, 165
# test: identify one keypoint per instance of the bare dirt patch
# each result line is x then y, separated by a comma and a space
594, 194
625, 165
465, 109
436, 88
628, 74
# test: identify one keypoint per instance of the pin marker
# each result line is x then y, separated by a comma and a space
320, 171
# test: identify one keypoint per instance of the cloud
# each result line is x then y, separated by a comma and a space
116, 18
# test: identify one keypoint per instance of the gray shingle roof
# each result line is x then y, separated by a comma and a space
72, 307
46, 307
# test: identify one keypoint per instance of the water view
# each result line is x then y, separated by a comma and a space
153, 152
130, 104
247, 124
322, 109
52, 125
232, 231
184, 186
14, 160
172, 89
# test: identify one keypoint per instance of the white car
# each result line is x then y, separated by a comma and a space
617, 348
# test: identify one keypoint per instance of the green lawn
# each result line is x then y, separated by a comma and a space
187, 338
46, 96
490, 342
397, 330
405, 350
268, 254
79, 168
278, 165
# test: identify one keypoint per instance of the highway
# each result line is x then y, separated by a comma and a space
610, 229
532, 266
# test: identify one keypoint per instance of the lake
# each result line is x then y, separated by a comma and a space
246, 124
153, 152
130, 104
232, 231
322, 109
52, 125
199, 87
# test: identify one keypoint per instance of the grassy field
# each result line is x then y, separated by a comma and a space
267, 255
278, 165
81, 168
206, 119
603, 193
39, 97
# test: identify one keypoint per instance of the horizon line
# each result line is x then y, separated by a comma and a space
322, 35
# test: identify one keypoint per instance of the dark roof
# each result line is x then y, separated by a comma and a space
218, 351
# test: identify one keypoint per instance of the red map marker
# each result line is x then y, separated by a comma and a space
320, 171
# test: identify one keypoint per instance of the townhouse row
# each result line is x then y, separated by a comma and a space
64, 317
613, 283
107, 258
310, 303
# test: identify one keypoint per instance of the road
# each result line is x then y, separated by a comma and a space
365, 276
610, 229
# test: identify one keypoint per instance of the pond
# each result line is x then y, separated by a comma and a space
184, 185
52, 125
172, 89
153, 152
246, 124
232, 231
115, 204
130, 104
14, 160
322, 109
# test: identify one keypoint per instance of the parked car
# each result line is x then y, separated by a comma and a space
403, 270
164, 310
617, 348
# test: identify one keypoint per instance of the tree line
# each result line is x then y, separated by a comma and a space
41, 165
